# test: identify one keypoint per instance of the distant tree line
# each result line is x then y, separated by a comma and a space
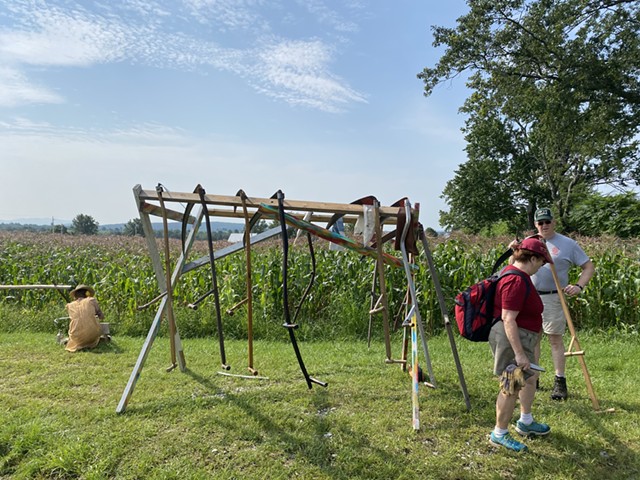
83, 224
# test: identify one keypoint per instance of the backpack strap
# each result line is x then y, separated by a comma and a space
518, 273
504, 274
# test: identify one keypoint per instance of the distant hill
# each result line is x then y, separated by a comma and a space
158, 226
43, 223
37, 221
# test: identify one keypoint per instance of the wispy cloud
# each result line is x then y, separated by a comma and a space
16, 89
229, 35
62, 40
298, 73
328, 16
229, 14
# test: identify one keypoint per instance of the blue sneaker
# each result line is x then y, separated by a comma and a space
508, 442
534, 428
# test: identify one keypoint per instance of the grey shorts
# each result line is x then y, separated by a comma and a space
503, 354
553, 319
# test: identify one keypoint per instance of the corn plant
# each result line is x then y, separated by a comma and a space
338, 303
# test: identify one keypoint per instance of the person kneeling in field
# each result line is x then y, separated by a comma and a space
513, 341
85, 313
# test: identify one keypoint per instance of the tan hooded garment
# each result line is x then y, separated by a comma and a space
84, 327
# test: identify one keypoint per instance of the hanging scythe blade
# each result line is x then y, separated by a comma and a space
214, 281
288, 325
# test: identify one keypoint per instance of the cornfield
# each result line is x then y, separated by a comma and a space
337, 307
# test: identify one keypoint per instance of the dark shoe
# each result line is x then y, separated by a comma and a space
420, 374
559, 389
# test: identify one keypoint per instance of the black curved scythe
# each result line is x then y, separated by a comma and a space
287, 324
214, 279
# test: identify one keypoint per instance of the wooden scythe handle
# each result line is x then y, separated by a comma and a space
574, 339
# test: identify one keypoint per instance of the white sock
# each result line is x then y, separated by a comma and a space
526, 418
560, 375
500, 432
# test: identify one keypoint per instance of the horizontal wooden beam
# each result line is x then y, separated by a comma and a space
157, 211
315, 217
254, 202
28, 287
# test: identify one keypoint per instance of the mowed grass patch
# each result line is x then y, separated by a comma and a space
58, 419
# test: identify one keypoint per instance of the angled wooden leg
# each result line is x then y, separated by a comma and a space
443, 310
155, 325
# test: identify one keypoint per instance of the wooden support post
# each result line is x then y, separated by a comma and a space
249, 297
382, 283
167, 269
150, 238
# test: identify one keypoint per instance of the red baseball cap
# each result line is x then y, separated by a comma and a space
536, 245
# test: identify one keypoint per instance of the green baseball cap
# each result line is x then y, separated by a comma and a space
543, 214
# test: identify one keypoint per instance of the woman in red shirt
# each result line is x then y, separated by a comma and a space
513, 341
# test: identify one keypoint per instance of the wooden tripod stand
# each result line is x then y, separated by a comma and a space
570, 352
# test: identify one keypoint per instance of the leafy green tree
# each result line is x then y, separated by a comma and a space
84, 225
478, 196
133, 227
555, 107
430, 232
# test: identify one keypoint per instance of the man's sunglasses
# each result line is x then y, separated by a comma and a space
544, 222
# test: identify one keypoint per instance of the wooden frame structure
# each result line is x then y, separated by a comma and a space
161, 203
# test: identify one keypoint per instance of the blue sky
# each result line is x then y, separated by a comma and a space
316, 98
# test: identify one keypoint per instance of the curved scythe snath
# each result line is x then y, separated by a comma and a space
214, 280
287, 323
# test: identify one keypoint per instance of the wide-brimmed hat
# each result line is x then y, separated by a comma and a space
89, 289
543, 214
536, 245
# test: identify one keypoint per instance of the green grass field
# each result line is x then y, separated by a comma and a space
58, 418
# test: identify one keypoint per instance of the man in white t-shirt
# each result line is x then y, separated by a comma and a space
566, 253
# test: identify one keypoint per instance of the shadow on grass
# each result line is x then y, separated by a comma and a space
107, 347
588, 461
319, 448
